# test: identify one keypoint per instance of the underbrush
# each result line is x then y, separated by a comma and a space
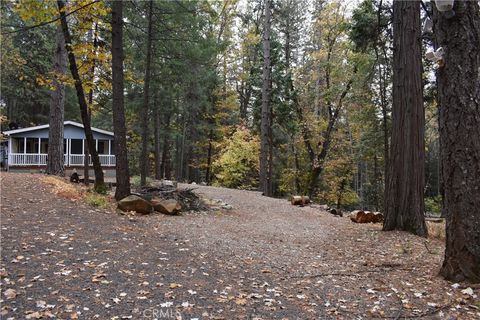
97, 200
65, 189
62, 188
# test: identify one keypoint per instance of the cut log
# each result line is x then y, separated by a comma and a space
360, 216
300, 200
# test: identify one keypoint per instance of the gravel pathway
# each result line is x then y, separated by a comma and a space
264, 259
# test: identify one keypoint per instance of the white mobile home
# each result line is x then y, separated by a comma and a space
27, 148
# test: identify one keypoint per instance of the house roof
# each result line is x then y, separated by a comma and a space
46, 126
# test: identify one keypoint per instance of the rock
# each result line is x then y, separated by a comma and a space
336, 212
170, 206
135, 203
360, 216
227, 206
323, 207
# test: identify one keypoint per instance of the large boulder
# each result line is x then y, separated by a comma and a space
170, 206
360, 216
135, 203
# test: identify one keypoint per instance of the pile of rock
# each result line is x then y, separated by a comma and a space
162, 196
141, 205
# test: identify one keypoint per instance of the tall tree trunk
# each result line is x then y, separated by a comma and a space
144, 163
157, 142
404, 205
265, 140
119, 129
209, 157
166, 165
97, 167
86, 158
55, 163
459, 117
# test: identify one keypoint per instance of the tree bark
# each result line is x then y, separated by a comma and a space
97, 167
86, 158
265, 141
144, 163
404, 205
166, 165
209, 157
119, 129
459, 118
157, 142
55, 158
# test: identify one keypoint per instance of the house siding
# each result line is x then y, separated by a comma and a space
70, 132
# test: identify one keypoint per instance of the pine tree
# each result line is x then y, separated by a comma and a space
55, 158
266, 125
404, 204
120, 139
459, 120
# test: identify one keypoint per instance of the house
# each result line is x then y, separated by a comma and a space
26, 148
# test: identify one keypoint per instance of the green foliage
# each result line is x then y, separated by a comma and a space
433, 204
96, 200
135, 181
100, 188
238, 164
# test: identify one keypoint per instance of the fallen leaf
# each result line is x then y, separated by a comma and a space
10, 294
468, 291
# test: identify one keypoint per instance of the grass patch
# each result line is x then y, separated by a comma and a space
97, 200
436, 230
62, 188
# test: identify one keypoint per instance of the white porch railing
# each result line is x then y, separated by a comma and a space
35, 159
27, 159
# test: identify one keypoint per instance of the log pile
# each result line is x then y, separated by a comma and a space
360, 216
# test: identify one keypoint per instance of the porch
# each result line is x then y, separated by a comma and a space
33, 152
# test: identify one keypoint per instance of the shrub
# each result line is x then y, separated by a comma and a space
96, 200
433, 204
238, 163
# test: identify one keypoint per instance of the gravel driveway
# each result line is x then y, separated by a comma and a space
264, 259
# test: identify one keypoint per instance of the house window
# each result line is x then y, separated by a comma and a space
76, 146
102, 146
32, 145
17, 145
44, 145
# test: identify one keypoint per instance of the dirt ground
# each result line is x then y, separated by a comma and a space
264, 259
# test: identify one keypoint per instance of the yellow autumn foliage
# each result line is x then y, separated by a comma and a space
238, 163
